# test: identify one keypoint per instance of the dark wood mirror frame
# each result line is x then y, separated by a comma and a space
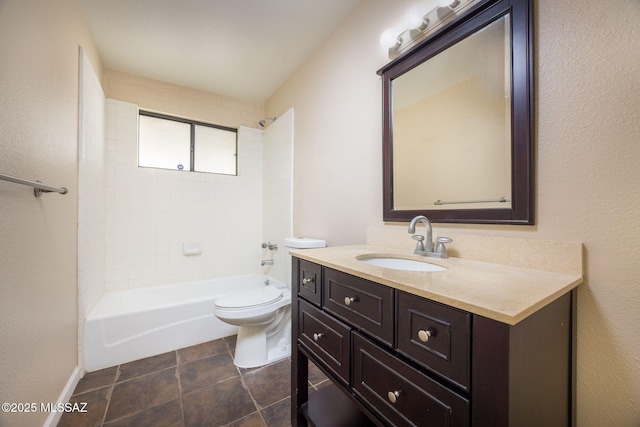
522, 109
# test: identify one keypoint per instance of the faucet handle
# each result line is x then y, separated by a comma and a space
420, 244
441, 249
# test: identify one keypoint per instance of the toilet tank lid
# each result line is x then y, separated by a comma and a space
304, 243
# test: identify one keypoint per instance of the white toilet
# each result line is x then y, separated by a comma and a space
264, 318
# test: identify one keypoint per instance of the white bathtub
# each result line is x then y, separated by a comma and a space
137, 323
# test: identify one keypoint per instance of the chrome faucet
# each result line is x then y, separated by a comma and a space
425, 245
266, 262
428, 238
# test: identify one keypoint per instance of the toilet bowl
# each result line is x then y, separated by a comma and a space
263, 316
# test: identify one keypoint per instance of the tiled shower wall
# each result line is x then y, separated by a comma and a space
91, 194
152, 213
278, 193
91, 190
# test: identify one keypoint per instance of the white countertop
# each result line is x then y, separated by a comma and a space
500, 292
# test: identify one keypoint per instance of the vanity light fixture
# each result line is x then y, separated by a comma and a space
419, 27
447, 3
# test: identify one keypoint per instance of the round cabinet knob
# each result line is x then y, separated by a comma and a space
393, 396
316, 337
306, 281
424, 335
349, 300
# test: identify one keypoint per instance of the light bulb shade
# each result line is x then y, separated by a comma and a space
388, 38
413, 18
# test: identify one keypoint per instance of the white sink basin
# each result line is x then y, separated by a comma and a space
397, 263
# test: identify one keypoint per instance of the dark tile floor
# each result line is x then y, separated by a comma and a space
193, 386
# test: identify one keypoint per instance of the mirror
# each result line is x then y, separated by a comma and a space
457, 136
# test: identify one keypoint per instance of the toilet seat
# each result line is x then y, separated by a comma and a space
252, 298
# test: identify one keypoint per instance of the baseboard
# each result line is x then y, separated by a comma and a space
74, 379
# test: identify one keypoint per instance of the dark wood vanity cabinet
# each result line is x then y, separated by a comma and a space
397, 359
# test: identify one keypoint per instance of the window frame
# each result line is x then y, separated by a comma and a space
192, 140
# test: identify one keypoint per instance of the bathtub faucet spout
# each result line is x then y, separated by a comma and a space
266, 262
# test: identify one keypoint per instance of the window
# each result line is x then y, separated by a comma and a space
167, 142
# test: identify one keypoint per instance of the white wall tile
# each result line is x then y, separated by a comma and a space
152, 212
134, 221
92, 255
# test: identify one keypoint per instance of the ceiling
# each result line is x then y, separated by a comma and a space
244, 49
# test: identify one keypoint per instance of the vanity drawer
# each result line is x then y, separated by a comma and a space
400, 393
365, 304
309, 281
436, 336
326, 338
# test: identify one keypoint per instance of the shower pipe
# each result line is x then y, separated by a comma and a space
262, 123
38, 187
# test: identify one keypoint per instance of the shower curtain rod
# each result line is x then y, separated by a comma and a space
38, 187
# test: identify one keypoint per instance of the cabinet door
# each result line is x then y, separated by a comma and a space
401, 394
367, 305
436, 336
326, 338
308, 282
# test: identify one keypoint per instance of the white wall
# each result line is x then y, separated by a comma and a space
181, 101
39, 42
336, 94
587, 63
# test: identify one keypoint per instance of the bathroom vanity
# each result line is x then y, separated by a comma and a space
475, 344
